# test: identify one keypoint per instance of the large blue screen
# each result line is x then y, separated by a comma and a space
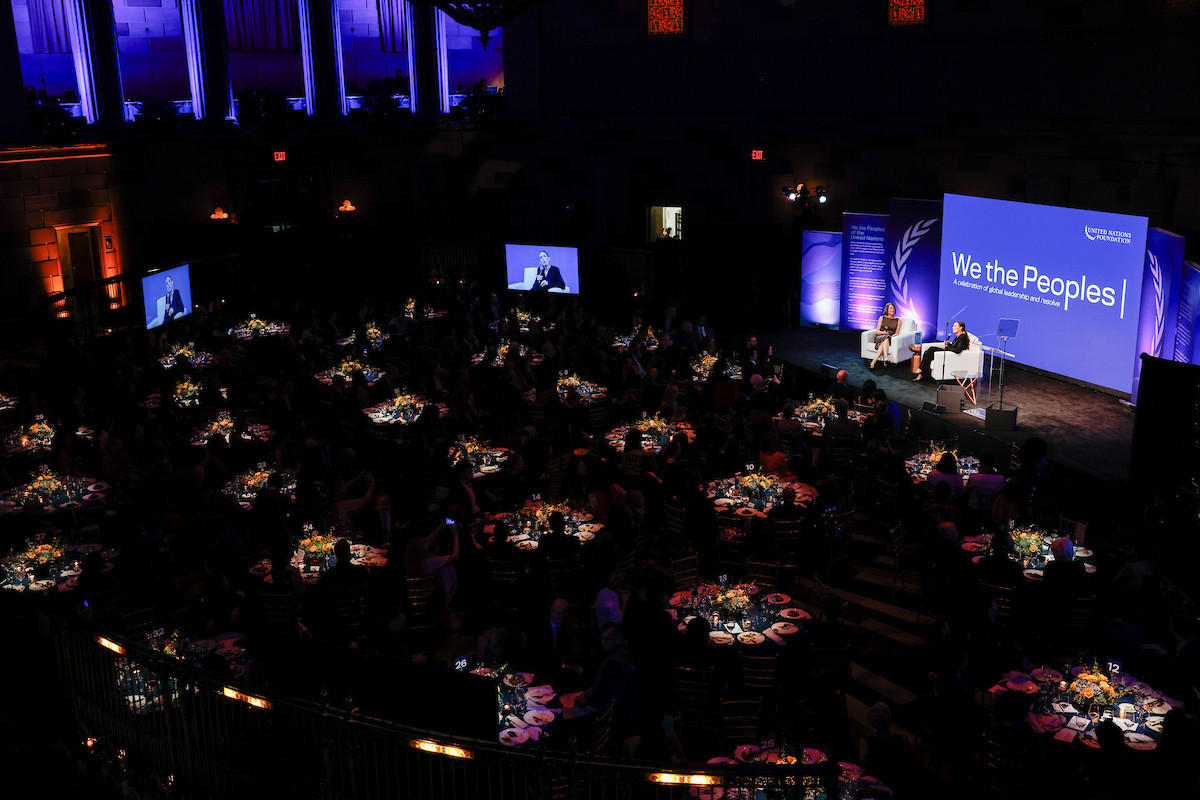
1072, 277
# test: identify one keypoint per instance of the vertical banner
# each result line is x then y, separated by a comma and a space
914, 261
820, 277
864, 270
1159, 312
1186, 349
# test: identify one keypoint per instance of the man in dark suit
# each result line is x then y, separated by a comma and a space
174, 307
548, 276
550, 647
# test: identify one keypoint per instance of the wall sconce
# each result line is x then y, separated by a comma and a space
347, 206
219, 214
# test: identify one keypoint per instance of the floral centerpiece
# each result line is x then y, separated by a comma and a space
374, 335
1029, 543
410, 308
1093, 686
407, 403
349, 366
754, 485
39, 553
705, 363
471, 449
655, 426
187, 350
187, 393
316, 545
222, 425
733, 601
168, 643
41, 432
255, 325
568, 381
821, 406
524, 317
258, 478
45, 485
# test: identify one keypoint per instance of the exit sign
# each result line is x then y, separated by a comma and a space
756, 155
280, 155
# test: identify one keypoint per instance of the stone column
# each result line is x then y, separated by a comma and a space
93, 36
321, 50
14, 115
429, 78
206, 44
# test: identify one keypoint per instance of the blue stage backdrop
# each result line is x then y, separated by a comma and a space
1067, 274
1160, 299
914, 261
1186, 349
864, 267
820, 277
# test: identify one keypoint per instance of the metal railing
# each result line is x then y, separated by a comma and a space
227, 741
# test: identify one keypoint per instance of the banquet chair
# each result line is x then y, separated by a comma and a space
422, 611
1074, 530
563, 579
696, 691
740, 721
901, 552
764, 573
830, 666
686, 571
349, 615
1014, 459
760, 676
899, 352
601, 731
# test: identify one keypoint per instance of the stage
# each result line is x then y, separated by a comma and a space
1086, 430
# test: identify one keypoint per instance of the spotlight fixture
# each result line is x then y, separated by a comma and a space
788, 192
822, 195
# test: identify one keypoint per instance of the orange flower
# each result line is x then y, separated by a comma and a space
1089, 692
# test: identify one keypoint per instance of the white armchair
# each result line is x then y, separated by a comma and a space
945, 363
899, 351
527, 284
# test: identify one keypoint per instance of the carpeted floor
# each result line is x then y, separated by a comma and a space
1086, 430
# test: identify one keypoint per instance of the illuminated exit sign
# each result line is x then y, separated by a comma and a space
756, 155
280, 155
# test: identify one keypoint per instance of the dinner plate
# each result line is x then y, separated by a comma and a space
584, 536
784, 628
1154, 723
513, 736
723, 501
488, 469
582, 516
1083, 552
748, 753
590, 527
1021, 685
1139, 741
751, 637
850, 771
1157, 706
778, 598
527, 544
70, 504
795, 613
540, 695
1089, 739
814, 756
517, 679
41, 586
721, 637
1033, 574
539, 716
1046, 674
71, 582
1090, 569
681, 599
973, 547
976, 559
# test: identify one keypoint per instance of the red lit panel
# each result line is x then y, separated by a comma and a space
665, 16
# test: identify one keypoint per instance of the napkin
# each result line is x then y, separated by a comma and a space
516, 721
1065, 708
1125, 724
774, 637
1079, 723
673, 613
1065, 735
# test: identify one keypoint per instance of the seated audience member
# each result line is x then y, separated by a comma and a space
884, 754
841, 389
841, 428
1064, 576
946, 472
551, 648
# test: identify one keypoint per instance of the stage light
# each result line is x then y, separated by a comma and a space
219, 213
347, 206
822, 195
788, 192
